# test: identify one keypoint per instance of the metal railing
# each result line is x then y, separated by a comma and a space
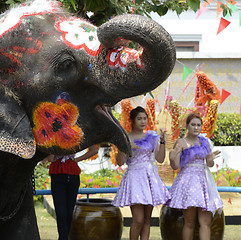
89, 191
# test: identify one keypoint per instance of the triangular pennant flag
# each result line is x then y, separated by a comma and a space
233, 9
205, 4
232, 2
186, 72
219, 9
201, 10
224, 95
222, 25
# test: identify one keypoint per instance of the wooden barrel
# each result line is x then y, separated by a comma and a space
172, 221
97, 219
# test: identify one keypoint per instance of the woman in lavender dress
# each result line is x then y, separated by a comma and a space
141, 187
194, 189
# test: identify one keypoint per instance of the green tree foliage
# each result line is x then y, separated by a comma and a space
228, 130
99, 11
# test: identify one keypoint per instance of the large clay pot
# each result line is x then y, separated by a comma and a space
172, 221
96, 220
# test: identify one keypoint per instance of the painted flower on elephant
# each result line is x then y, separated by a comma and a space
14, 18
119, 57
55, 125
78, 34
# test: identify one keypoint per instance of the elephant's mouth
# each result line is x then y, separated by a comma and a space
119, 142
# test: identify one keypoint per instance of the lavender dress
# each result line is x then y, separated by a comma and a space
141, 183
194, 186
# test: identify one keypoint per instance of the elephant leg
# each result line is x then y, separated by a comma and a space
23, 225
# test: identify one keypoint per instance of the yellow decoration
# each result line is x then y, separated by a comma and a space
163, 121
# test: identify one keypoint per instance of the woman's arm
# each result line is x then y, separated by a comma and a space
175, 154
121, 158
160, 153
92, 150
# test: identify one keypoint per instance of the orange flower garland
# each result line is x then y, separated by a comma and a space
113, 154
150, 109
126, 108
209, 122
207, 94
206, 90
175, 111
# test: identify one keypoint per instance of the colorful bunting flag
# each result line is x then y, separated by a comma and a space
224, 95
233, 9
222, 25
232, 2
219, 9
205, 4
186, 72
201, 10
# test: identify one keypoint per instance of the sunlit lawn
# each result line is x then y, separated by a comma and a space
46, 223
48, 229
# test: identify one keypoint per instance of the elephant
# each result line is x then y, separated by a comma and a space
60, 75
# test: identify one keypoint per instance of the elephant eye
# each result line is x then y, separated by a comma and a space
64, 64
64, 67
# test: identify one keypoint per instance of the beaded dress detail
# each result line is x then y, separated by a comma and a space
141, 183
194, 186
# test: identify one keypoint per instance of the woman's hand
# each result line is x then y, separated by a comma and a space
121, 158
162, 136
211, 156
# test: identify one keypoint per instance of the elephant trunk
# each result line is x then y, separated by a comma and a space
157, 59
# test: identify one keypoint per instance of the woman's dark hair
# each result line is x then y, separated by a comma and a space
192, 116
134, 112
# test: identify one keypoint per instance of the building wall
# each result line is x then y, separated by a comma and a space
224, 70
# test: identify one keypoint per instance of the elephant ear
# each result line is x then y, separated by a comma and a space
16, 134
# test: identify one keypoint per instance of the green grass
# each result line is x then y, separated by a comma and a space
48, 228
46, 223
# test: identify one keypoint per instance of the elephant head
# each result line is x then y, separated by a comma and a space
62, 74
59, 77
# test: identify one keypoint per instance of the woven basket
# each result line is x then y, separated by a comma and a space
166, 173
169, 142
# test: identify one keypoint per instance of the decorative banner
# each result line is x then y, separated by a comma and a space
205, 4
232, 2
186, 72
192, 78
233, 9
224, 95
222, 25
219, 9
201, 10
